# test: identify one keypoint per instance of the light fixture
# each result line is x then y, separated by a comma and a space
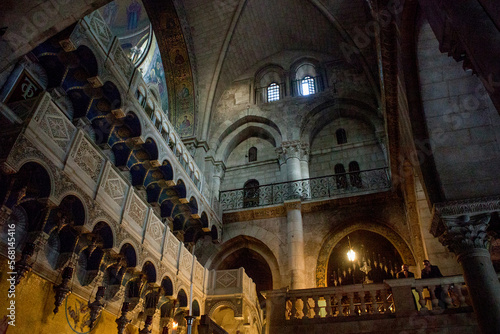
351, 254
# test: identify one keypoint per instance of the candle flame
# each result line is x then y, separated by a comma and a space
174, 325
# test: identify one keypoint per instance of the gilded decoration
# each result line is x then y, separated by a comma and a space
177, 66
334, 237
257, 213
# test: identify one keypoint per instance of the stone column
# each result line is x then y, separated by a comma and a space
219, 170
466, 236
290, 153
295, 242
304, 170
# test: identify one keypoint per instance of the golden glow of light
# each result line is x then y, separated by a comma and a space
351, 255
174, 325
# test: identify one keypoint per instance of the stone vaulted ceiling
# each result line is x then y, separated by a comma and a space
230, 36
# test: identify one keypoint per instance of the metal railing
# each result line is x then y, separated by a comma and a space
370, 180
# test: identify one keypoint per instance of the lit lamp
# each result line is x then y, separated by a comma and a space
174, 327
351, 255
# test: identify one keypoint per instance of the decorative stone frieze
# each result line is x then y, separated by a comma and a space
465, 233
473, 206
292, 205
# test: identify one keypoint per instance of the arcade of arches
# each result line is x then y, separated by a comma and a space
194, 166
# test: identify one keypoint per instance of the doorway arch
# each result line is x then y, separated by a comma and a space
334, 237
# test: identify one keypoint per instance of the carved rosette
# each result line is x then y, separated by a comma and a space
465, 233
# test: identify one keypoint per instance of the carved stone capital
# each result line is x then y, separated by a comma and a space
289, 149
304, 152
469, 207
219, 170
465, 233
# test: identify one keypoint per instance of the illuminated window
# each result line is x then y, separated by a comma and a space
273, 92
307, 86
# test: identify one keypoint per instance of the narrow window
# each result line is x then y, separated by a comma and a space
341, 136
251, 194
355, 175
273, 92
340, 176
307, 86
252, 154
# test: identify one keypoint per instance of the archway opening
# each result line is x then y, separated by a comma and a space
376, 259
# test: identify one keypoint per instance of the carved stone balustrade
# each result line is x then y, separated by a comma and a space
298, 310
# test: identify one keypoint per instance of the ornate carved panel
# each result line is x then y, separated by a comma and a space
172, 248
186, 262
227, 279
115, 186
88, 159
198, 274
155, 229
54, 123
137, 210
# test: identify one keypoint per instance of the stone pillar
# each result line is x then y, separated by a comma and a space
295, 242
466, 236
304, 170
219, 170
290, 153
275, 310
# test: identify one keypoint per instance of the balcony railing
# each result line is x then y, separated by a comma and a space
300, 309
372, 180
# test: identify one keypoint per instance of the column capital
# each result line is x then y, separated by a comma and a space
292, 149
304, 152
219, 169
465, 233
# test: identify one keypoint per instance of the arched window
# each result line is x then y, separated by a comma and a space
273, 92
340, 176
252, 154
355, 175
251, 194
307, 86
341, 136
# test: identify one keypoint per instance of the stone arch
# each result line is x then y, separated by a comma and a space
244, 132
321, 115
81, 198
220, 304
132, 258
241, 242
336, 235
31, 159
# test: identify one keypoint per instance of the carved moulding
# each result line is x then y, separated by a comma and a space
470, 207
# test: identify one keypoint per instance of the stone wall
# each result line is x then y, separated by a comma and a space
361, 146
463, 125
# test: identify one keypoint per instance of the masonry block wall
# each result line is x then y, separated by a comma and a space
463, 125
